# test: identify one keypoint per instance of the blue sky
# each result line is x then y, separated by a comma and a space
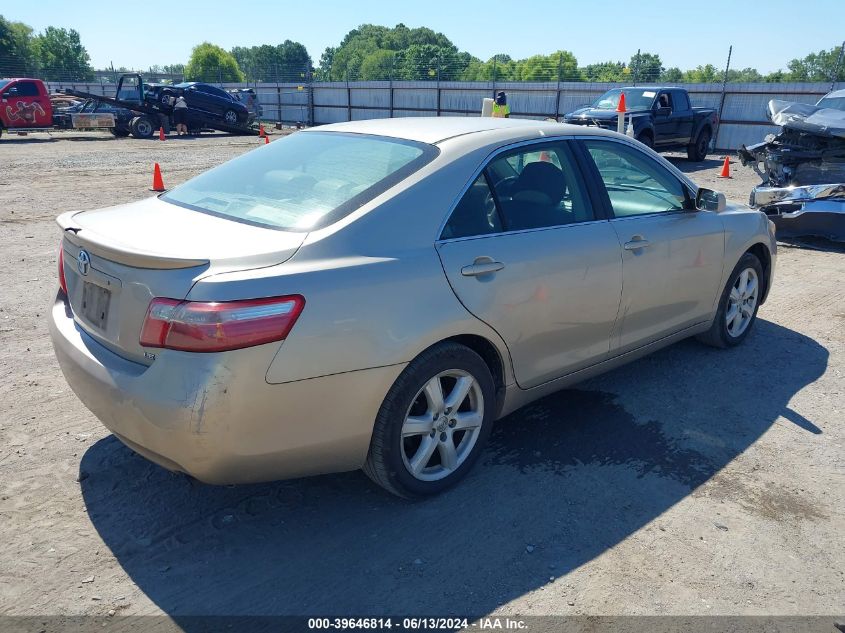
685, 34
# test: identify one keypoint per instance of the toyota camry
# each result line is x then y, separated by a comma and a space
376, 294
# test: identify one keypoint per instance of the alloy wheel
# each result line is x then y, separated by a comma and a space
742, 302
442, 425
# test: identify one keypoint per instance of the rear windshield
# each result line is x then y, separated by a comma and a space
303, 181
635, 99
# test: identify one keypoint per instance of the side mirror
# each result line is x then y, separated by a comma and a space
709, 200
663, 111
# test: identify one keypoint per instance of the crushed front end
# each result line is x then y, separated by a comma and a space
803, 170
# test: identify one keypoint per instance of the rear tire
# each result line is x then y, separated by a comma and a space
646, 139
230, 117
433, 422
698, 151
165, 97
738, 305
141, 127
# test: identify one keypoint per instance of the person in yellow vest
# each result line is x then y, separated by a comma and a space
501, 109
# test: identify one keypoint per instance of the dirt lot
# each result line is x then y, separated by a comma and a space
694, 481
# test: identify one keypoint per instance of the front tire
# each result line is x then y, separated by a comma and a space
738, 305
433, 423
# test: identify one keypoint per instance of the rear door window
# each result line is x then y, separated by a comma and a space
475, 214
538, 187
529, 188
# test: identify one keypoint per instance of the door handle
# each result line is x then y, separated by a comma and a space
634, 245
482, 266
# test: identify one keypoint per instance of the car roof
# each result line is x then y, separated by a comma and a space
434, 130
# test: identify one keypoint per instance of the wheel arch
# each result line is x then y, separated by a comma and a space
761, 251
490, 354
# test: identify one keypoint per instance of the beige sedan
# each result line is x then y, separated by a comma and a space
376, 294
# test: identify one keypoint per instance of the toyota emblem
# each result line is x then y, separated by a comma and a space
83, 262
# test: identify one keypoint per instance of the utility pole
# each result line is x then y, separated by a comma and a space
834, 76
559, 73
722, 98
637, 67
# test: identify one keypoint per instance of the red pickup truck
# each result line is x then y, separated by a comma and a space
24, 105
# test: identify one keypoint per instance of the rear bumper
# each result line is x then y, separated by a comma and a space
215, 417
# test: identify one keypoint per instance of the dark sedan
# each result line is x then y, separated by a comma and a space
203, 99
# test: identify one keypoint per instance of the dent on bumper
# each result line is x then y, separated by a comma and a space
215, 417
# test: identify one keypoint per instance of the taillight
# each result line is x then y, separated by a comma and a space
200, 326
62, 282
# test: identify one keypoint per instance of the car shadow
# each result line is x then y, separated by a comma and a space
562, 481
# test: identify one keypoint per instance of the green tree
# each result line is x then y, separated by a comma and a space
706, 74
418, 53
211, 63
819, 66
745, 75
17, 51
560, 65
61, 55
776, 77
379, 66
672, 75
646, 67
288, 61
604, 71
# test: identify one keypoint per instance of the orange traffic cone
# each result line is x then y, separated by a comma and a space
726, 168
261, 131
161, 133
266, 140
545, 157
158, 183
621, 106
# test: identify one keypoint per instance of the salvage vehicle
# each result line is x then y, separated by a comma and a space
123, 117
204, 98
24, 106
375, 294
154, 106
802, 170
662, 118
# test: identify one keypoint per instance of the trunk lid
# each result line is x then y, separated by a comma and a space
117, 259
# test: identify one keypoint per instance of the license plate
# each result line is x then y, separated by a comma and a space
95, 304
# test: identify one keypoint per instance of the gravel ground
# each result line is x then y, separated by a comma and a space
695, 481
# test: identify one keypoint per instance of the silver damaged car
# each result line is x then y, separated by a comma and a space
376, 294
